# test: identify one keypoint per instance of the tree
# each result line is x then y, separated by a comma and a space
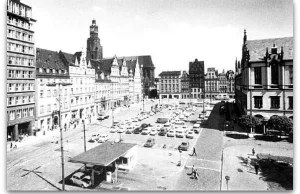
249, 121
280, 123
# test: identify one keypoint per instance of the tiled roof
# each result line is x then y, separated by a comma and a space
49, 59
170, 73
68, 58
257, 48
78, 55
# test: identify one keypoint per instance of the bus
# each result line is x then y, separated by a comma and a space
222, 96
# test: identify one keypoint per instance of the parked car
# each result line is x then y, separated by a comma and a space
146, 131
121, 130
94, 137
114, 129
158, 127
171, 133
179, 122
103, 116
103, 138
144, 125
180, 133
162, 132
137, 130
196, 128
190, 134
150, 142
153, 131
81, 179
136, 119
184, 146
152, 113
199, 121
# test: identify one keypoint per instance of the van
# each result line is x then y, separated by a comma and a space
196, 128
222, 96
163, 120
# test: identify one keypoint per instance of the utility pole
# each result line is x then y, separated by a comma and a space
61, 140
112, 116
83, 122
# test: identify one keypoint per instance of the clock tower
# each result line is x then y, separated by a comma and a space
94, 48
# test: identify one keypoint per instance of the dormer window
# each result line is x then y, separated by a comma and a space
59, 71
48, 70
40, 70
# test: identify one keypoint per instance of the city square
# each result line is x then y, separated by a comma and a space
144, 116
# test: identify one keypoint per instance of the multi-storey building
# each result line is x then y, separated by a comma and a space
230, 75
20, 70
185, 85
82, 78
196, 78
53, 90
264, 86
222, 82
170, 84
211, 83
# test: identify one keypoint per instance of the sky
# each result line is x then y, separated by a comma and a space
173, 32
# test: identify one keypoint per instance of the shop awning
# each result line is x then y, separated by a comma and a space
103, 155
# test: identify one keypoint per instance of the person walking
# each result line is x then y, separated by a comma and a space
196, 174
193, 170
256, 166
248, 163
194, 151
253, 151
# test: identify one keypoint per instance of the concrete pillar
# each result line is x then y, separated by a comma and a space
30, 128
15, 134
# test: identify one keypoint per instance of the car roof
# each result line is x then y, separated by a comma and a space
79, 174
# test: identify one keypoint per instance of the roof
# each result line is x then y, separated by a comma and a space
170, 73
49, 59
257, 48
104, 154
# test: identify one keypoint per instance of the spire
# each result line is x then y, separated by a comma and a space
245, 36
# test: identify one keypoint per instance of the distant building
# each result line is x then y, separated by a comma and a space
222, 82
185, 85
50, 71
211, 83
170, 85
264, 84
21, 71
196, 79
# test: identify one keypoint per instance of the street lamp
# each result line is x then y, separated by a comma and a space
227, 178
83, 122
112, 109
61, 133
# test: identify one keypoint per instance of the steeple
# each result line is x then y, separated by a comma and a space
245, 36
94, 49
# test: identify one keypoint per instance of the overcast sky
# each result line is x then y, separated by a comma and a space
172, 32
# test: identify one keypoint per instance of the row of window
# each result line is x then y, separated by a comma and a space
18, 9
19, 35
21, 113
19, 48
54, 71
80, 70
79, 101
166, 81
54, 107
85, 81
275, 102
274, 74
20, 74
82, 90
19, 23
18, 87
19, 100
54, 93
20, 61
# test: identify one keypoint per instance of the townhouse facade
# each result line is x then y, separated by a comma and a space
196, 79
20, 58
170, 85
264, 84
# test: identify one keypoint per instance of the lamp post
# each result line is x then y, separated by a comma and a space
227, 178
83, 122
61, 133
112, 116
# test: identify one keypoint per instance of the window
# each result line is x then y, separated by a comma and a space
257, 101
48, 93
48, 108
291, 74
12, 115
19, 114
25, 112
66, 92
274, 74
30, 74
71, 90
10, 100
41, 109
290, 102
30, 111
30, 99
275, 102
257, 75
10, 87
24, 99
54, 93
17, 100
41, 93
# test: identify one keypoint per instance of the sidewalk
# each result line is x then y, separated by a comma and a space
234, 167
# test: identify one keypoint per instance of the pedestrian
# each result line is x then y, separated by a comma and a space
11, 145
248, 163
196, 175
194, 151
256, 166
253, 151
193, 170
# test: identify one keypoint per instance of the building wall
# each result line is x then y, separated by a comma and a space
20, 69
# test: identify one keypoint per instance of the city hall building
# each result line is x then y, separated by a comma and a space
264, 84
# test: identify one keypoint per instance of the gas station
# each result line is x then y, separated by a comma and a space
109, 155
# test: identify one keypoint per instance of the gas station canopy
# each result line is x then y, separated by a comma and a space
103, 155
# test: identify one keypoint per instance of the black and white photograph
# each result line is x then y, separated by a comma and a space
148, 95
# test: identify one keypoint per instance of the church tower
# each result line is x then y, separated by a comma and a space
94, 48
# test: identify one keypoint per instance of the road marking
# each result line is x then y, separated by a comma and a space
206, 160
198, 167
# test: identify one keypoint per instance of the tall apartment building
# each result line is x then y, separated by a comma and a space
196, 78
264, 85
20, 69
170, 84
52, 90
